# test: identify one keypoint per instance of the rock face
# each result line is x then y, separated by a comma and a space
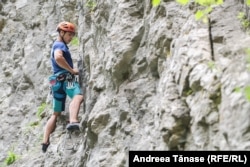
154, 80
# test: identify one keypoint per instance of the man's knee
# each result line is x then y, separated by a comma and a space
56, 114
78, 98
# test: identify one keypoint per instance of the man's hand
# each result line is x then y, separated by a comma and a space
75, 71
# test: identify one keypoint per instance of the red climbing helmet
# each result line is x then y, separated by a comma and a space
66, 26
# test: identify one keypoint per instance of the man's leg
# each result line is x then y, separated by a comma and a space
74, 108
50, 127
59, 97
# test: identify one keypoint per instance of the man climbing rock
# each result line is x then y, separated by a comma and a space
63, 82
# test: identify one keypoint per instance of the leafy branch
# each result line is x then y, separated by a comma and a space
207, 6
248, 2
156, 3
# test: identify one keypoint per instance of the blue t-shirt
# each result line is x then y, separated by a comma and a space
57, 45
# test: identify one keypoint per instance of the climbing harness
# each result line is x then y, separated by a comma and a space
70, 78
70, 81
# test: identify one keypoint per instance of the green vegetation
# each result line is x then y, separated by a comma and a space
75, 41
35, 123
91, 4
207, 6
40, 110
248, 58
187, 92
211, 65
237, 90
243, 20
39, 114
247, 92
11, 158
155, 2
242, 16
248, 2
182, 2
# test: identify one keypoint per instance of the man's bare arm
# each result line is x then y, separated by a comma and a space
60, 60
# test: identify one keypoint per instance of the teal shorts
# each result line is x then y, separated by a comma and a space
60, 90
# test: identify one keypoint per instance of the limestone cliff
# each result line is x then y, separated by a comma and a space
155, 79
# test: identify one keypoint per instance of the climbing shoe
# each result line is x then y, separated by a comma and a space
73, 126
45, 146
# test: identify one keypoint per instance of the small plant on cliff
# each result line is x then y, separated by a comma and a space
75, 41
39, 114
34, 124
245, 91
40, 110
11, 158
91, 4
211, 65
245, 23
248, 58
